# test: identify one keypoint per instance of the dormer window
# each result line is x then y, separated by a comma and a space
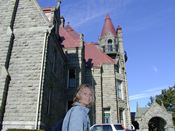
110, 47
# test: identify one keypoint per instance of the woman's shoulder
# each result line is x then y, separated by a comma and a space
77, 109
80, 109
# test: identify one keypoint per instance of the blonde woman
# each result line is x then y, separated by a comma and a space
77, 118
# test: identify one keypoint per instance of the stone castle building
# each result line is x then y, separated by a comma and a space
42, 61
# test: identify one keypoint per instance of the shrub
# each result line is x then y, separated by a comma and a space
23, 130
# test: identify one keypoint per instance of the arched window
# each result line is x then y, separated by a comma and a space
110, 45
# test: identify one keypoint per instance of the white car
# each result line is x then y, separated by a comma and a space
107, 127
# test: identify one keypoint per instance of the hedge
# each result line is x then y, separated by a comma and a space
23, 130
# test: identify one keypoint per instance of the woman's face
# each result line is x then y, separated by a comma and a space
86, 97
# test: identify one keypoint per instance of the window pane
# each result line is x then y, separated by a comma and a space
110, 47
118, 127
72, 73
97, 128
72, 80
107, 128
121, 115
72, 83
107, 115
119, 92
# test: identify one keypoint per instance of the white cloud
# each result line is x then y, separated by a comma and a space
155, 69
138, 96
81, 12
148, 93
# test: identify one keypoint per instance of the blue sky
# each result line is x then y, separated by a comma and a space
148, 28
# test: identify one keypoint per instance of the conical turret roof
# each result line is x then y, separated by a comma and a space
108, 26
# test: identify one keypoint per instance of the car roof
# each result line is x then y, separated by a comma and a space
108, 124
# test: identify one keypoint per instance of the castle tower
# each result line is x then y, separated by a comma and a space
111, 43
108, 39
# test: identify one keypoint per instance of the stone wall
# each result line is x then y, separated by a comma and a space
25, 63
5, 28
98, 95
53, 106
5, 43
109, 91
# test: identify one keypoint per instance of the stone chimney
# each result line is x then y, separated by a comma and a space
62, 21
81, 40
58, 3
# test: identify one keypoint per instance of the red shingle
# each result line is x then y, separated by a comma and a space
108, 26
95, 57
69, 37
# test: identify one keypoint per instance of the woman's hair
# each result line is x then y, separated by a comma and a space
80, 90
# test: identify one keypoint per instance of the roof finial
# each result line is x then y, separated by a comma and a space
108, 26
81, 40
62, 21
58, 3
137, 107
119, 27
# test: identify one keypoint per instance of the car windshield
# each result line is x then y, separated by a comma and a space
102, 128
118, 127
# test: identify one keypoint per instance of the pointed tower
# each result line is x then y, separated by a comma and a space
111, 43
108, 38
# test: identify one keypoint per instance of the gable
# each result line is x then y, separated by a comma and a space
69, 37
156, 110
29, 14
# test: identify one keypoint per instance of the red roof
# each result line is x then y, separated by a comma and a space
48, 11
95, 57
108, 26
119, 28
69, 37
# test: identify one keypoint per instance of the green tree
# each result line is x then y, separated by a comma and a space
167, 98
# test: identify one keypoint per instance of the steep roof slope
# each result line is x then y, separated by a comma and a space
94, 56
69, 37
48, 12
29, 15
108, 26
